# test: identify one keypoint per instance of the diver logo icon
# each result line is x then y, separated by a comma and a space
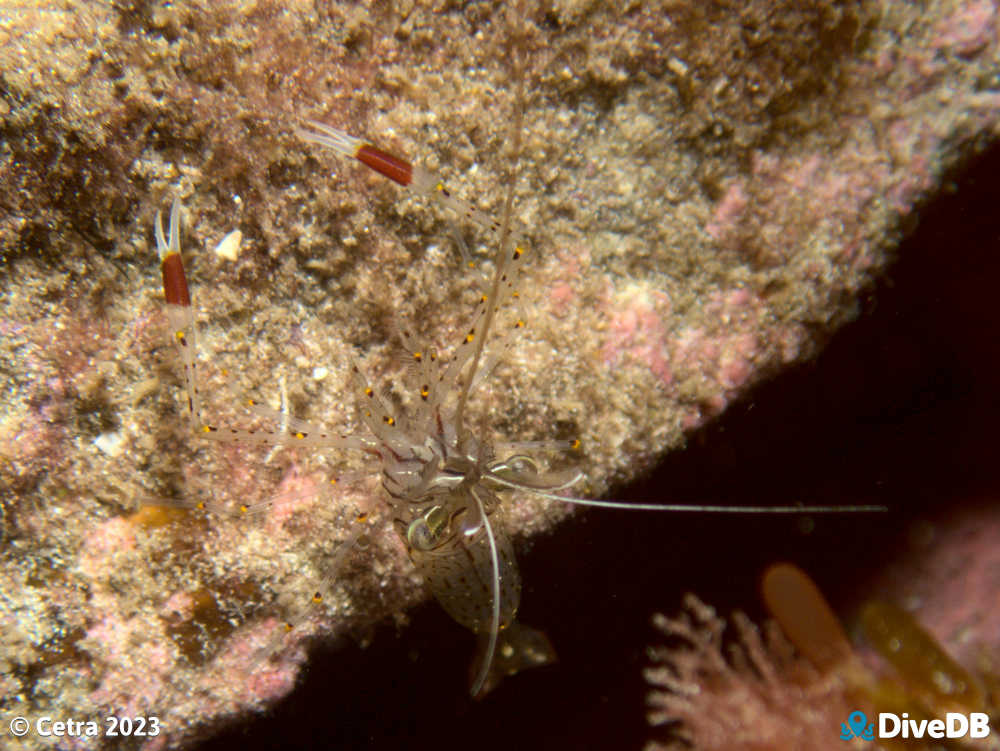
857, 726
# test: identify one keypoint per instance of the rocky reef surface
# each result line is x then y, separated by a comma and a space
707, 192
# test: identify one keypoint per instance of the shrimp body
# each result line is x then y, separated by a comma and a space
443, 482
453, 553
435, 482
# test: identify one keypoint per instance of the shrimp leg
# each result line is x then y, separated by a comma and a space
396, 169
181, 320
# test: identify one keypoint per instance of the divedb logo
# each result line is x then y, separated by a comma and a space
954, 725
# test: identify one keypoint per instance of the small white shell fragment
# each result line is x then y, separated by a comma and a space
320, 373
678, 67
110, 443
229, 246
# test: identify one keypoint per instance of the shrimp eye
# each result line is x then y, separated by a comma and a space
426, 532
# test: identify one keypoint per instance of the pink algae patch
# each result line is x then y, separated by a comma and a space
692, 418
294, 491
179, 603
725, 360
568, 267
104, 541
112, 535
735, 364
273, 683
777, 209
248, 663
637, 333
137, 663
968, 30
791, 342
724, 351
727, 212
738, 298
560, 296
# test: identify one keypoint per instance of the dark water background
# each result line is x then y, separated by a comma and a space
900, 409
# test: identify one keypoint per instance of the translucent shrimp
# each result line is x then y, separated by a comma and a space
444, 483
433, 469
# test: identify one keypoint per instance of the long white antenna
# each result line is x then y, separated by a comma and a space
702, 508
